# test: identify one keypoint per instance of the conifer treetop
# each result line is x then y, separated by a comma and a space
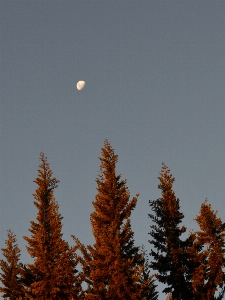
113, 267
10, 268
208, 254
54, 267
169, 253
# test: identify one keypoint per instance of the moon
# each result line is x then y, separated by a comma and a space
80, 85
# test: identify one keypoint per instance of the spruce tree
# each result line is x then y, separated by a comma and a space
10, 269
208, 254
170, 258
113, 267
53, 271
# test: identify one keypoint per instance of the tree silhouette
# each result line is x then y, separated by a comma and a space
53, 271
207, 254
10, 269
170, 257
113, 267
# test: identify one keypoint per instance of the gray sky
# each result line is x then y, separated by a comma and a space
154, 73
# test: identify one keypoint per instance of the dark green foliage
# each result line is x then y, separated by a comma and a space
169, 253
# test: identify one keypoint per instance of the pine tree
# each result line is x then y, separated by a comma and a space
113, 267
170, 257
207, 253
53, 271
10, 269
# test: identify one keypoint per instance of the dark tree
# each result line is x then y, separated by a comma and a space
52, 275
170, 258
150, 293
208, 254
10, 269
113, 267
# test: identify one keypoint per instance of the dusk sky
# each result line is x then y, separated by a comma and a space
155, 89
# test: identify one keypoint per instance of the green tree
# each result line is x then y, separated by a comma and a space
10, 269
53, 272
170, 258
207, 253
113, 267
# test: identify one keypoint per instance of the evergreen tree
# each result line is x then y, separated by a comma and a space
150, 293
207, 254
113, 267
170, 252
10, 269
52, 274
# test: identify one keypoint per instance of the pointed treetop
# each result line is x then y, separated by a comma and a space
166, 178
45, 175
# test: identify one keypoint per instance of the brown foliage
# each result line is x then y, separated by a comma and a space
54, 267
113, 266
207, 253
11, 269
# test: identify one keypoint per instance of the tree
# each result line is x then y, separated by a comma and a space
10, 269
207, 253
170, 256
52, 274
150, 293
113, 267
